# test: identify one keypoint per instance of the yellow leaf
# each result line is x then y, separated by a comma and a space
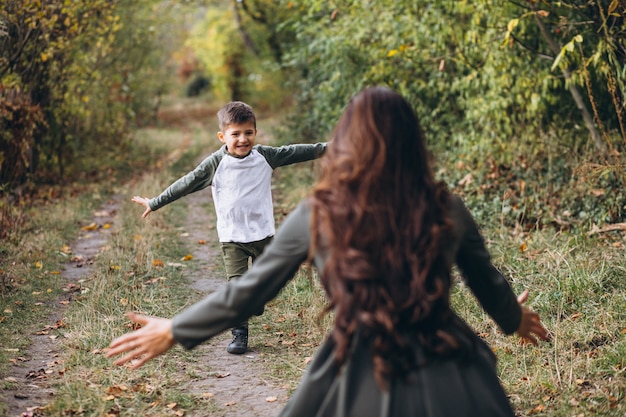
66, 249
512, 24
523, 247
613, 6
38, 265
106, 226
158, 262
186, 258
392, 53
90, 227
55, 272
137, 237
115, 267
44, 57
124, 301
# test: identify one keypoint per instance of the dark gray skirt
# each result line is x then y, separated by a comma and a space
453, 387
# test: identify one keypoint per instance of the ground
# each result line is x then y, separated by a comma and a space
237, 382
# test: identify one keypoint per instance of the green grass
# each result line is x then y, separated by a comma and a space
575, 283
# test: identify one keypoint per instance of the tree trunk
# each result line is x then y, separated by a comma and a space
578, 98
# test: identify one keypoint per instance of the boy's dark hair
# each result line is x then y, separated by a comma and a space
235, 112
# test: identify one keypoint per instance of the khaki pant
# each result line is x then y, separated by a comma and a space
238, 257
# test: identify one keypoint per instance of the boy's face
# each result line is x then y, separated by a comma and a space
239, 138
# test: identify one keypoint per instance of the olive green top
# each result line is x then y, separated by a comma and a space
354, 392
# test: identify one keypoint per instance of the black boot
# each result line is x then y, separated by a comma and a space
239, 343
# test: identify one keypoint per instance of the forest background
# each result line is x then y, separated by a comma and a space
522, 103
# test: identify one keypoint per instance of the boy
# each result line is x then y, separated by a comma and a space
239, 174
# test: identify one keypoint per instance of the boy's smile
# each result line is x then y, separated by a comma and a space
239, 138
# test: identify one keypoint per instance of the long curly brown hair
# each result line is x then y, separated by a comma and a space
381, 218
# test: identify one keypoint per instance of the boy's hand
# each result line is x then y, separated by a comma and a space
143, 202
530, 327
151, 340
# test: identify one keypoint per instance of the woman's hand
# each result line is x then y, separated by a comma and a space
142, 201
151, 340
530, 327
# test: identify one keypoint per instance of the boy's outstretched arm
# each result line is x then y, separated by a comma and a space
530, 327
142, 201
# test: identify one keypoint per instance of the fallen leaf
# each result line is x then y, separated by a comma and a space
228, 404
271, 399
201, 242
186, 258
90, 227
222, 375
38, 265
207, 394
158, 262
116, 390
171, 406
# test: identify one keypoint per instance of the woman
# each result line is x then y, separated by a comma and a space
384, 236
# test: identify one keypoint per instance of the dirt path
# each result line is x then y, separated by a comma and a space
33, 372
244, 391
235, 381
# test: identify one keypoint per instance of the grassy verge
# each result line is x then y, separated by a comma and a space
34, 243
147, 277
575, 282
